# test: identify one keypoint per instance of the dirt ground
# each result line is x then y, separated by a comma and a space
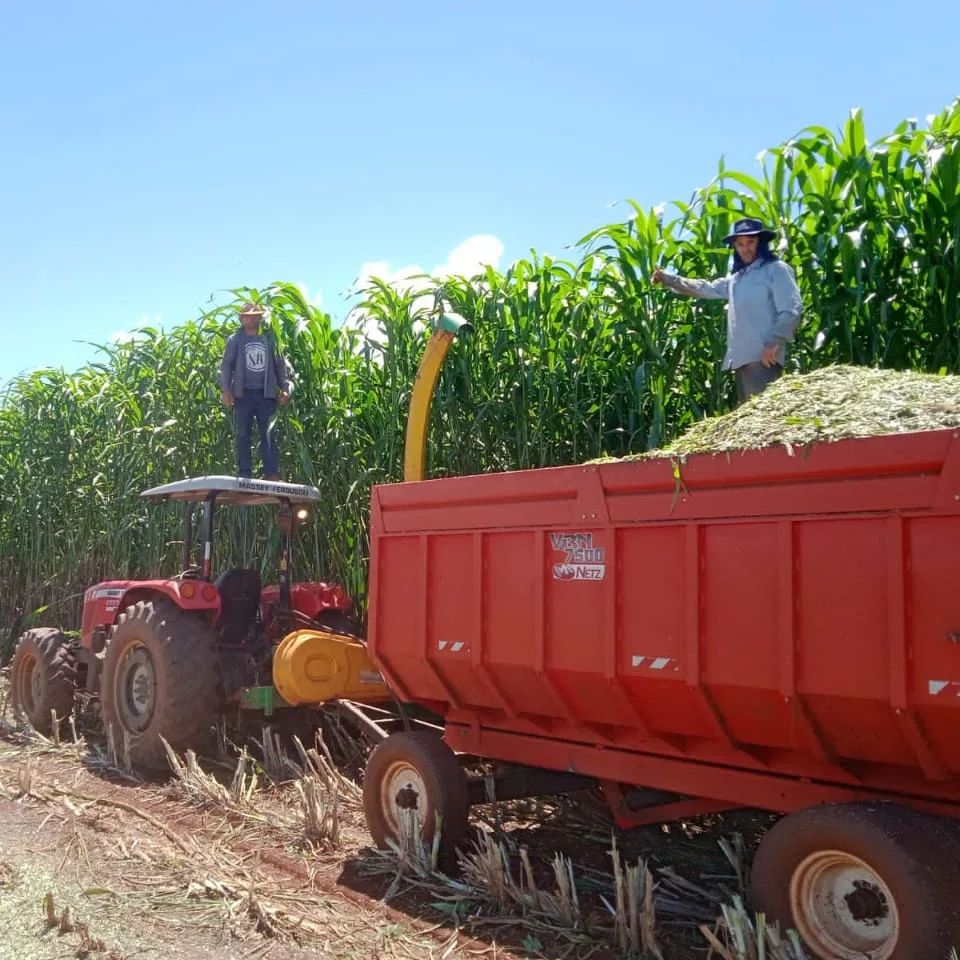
95, 862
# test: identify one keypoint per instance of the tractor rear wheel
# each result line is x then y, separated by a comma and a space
858, 880
159, 680
43, 677
414, 782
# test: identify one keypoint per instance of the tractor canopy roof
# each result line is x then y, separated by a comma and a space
237, 490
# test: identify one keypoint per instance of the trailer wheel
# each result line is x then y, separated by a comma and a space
43, 677
415, 775
159, 680
860, 880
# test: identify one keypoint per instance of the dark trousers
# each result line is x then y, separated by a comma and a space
246, 409
754, 378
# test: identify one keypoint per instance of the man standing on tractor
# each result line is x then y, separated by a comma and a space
253, 380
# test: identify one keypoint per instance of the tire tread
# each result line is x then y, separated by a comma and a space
186, 676
54, 653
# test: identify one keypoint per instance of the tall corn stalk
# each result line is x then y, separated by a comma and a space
571, 359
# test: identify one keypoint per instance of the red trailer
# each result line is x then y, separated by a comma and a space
776, 629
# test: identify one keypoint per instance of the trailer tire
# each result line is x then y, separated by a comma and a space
43, 677
415, 770
159, 680
860, 879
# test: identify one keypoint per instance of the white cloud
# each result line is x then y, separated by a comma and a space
470, 257
466, 259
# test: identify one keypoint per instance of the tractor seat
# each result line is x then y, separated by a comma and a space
239, 603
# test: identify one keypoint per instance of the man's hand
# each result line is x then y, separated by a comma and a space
226, 397
769, 356
283, 397
657, 275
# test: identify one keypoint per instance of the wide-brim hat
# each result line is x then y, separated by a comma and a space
749, 227
252, 310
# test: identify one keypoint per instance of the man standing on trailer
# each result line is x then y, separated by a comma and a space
253, 380
764, 306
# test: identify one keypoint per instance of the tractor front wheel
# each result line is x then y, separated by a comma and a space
159, 681
43, 677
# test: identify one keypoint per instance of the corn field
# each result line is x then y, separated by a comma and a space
571, 359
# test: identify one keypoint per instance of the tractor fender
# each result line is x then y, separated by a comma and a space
192, 596
104, 602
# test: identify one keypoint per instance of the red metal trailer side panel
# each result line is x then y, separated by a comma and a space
793, 614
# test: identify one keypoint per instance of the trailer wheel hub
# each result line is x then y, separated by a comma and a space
842, 907
403, 797
136, 689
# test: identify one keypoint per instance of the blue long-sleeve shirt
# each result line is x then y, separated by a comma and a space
764, 307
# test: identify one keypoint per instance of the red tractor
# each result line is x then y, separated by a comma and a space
165, 656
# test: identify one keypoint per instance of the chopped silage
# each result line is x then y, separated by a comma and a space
834, 403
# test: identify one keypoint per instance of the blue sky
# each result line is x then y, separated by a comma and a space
153, 158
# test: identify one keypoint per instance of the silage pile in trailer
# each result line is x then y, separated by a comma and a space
834, 403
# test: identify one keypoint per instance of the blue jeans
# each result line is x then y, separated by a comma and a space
754, 378
246, 409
